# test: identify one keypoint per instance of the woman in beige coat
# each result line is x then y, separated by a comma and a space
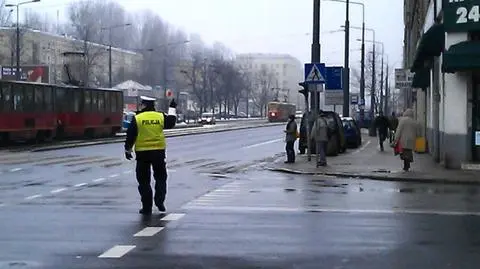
406, 134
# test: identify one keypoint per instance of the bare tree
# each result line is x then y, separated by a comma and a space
5, 14
83, 18
265, 81
36, 21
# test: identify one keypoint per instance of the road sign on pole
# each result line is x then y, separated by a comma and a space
334, 85
315, 73
403, 79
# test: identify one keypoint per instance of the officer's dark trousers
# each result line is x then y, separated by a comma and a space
156, 160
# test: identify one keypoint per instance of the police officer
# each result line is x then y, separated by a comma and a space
146, 133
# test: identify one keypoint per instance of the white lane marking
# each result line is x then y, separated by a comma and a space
127, 172
363, 147
263, 143
335, 210
80, 185
223, 190
117, 251
148, 231
58, 190
99, 179
215, 195
171, 171
33, 197
115, 175
16, 169
173, 216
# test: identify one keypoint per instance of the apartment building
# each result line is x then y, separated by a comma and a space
287, 69
442, 49
41, 48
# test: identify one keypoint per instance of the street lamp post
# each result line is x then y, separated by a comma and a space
372, 98
18, 75
110, 49
346, 81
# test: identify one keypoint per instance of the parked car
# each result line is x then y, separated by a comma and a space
207, 118
336, 144
353, 134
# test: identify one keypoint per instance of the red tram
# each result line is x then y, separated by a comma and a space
279, 111
44, 112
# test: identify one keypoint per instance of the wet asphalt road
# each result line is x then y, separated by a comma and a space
77, 208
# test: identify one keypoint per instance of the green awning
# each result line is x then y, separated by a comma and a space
432, 43
421, 78
461, 57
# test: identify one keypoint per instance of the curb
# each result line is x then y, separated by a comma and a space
376, 177
120, 140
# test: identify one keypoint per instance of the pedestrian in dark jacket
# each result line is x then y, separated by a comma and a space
382, 124
290, 138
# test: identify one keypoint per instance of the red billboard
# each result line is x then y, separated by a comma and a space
32, 73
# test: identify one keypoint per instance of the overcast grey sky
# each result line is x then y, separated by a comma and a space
276, 26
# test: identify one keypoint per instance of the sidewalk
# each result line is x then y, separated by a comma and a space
369, 162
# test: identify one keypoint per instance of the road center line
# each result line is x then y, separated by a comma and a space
58, 190
117, 251
148, 231
173, 217
115, 175
127, 172
263, 143
33, 197
99, 179
16, 169
80, 185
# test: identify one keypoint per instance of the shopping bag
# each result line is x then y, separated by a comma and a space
397, 149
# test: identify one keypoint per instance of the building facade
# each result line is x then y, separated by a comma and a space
41, 48
445, 59
287, 70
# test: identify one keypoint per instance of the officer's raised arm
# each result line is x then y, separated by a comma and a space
171, 118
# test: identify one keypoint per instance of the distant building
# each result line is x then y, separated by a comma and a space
288, 71
42, 48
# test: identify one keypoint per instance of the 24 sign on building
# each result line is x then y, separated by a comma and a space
461, 15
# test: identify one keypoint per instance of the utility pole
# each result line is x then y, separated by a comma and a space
387, 92
18, 73
362, 77
315, 95
381, 88
346, 68
110, 59
373, 131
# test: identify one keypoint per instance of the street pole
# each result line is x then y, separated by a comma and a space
387, 92
381, 86
362, 78
315, 59
372, 131
18, 73
110, 60
346, 69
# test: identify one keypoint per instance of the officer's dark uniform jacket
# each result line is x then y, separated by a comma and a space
148, 118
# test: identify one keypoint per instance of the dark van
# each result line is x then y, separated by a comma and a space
336, 144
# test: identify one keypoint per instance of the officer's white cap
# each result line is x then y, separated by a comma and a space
146, 98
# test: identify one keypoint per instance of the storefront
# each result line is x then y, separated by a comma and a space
446, 67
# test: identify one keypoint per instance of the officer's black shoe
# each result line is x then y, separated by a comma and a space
162, 208
144, 211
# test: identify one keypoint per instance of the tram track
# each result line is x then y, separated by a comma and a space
120, 137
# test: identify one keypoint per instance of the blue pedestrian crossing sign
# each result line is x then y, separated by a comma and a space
315, 73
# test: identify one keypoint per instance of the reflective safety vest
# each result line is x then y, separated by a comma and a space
150, 134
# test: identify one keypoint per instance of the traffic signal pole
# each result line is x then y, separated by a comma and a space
315, 94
